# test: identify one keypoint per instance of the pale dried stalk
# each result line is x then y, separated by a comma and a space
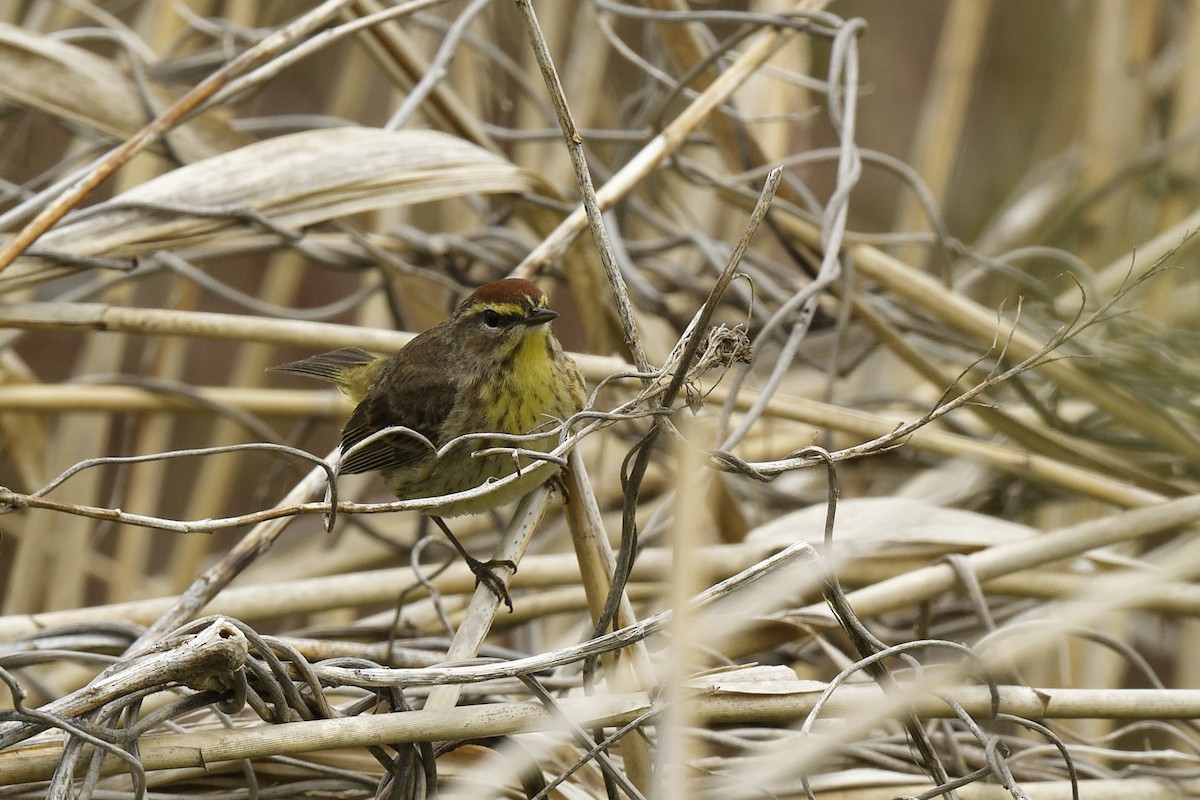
712, 707
689, 635
331, 405
215, 651
1180, 238
944, 107
303, 596
1011, 460
960, 313
310, 595
403, 64
630, 668
484, 603
929, 582
1039, 440
587, 190
659, 148
234, 327
217, 479
428, 617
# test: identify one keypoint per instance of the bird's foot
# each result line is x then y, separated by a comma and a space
485, 573
559, 484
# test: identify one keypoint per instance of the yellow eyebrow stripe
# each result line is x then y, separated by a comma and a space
504, 309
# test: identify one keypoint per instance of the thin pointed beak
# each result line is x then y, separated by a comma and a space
539, 316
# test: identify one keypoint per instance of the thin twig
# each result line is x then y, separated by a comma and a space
583, 176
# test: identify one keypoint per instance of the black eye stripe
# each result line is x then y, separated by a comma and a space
507, 315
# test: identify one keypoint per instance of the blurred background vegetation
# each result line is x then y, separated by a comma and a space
1022, 161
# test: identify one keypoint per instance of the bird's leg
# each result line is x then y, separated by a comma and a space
559, 484
483, 570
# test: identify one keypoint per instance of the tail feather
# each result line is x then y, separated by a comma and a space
348, 368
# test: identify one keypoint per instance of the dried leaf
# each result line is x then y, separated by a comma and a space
74, 84
293, 180
895, 525
755, 679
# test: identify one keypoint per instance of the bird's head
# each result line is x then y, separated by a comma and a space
503, 318
500, 329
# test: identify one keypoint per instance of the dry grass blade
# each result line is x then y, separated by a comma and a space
71, 83
292, 182
77, 188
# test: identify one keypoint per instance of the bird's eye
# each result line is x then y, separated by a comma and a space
491, 318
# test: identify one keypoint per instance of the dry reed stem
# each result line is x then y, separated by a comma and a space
712, 707
944, 111
821, 415
469, 636
660, 147
962, 314
928, 582
629, 669
587, 190
353, 589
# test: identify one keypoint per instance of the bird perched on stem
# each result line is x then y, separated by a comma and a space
493, 367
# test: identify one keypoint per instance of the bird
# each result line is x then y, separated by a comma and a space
493, 367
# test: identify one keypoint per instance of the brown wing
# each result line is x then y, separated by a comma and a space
416, 395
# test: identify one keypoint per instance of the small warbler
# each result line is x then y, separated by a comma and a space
493, 367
